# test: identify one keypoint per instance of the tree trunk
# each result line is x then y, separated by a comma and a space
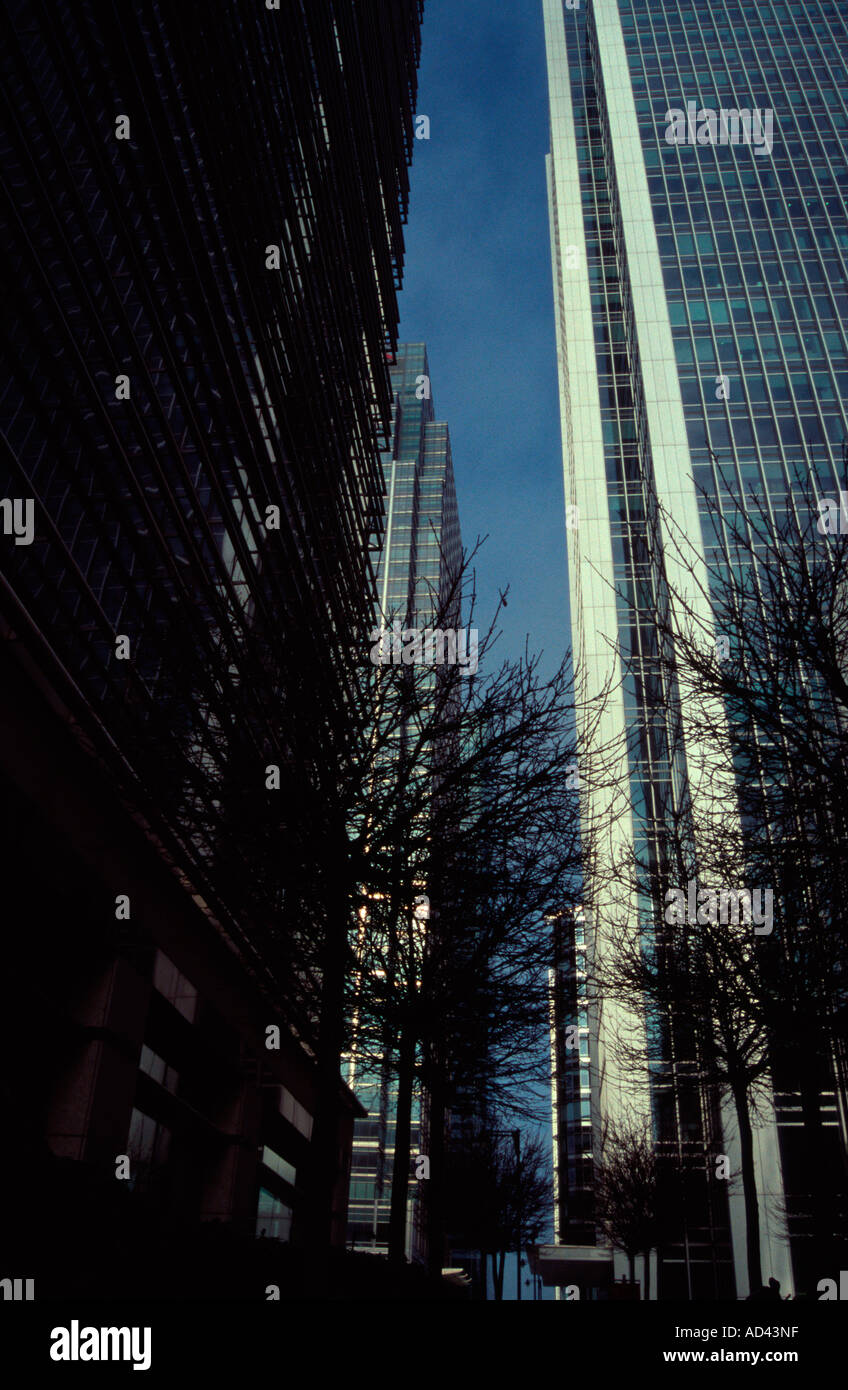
435, 1187
749, 1186
400, 1167
631, 1260
647, 1259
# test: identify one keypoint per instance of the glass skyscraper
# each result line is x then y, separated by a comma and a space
422, 546
697, 184
419, 563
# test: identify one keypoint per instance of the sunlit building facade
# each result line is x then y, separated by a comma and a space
697, 180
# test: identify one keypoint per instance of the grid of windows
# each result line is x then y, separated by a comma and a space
169, 383
752, 237
422, 521
754, 246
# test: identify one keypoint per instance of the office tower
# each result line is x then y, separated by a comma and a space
203, 232
422, 546
418, 569
697, 178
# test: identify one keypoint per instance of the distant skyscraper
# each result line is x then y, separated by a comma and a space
422, 546
419, 564
203, 213
697, 180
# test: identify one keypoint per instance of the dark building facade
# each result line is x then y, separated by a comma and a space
202, 225
574, 1207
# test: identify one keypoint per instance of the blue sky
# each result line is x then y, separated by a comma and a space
477, 290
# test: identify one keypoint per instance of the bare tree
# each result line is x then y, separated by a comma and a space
626, 1192
499, 1195
762, 689
470, 811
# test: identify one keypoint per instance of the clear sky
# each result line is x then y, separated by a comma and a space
477, 290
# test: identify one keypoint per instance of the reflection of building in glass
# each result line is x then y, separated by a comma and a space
701, 301
418, 569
